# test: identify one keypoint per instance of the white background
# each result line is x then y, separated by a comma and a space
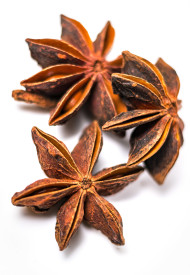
156, 218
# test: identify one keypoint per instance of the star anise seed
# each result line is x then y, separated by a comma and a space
74, 68
70, 178
150, 92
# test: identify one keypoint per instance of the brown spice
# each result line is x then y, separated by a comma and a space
150, 92
70, 178
74, 68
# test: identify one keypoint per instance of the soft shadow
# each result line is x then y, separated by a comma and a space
170, 182
87, 112
72, 126
86, 224
74, 243
122, 141
52, 212
129, 192
146, 182
122, 249
33, 108
119, 248
133, 189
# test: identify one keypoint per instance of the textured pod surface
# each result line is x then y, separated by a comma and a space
40, 100
103, 216
69, 218
161, 163
150, 92
43, 194
54, 157
113, 179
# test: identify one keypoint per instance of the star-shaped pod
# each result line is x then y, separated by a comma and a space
70, 179
74, 68
150, 92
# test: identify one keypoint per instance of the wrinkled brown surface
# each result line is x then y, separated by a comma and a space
71, 181
69, 218
66, 63
39, 100
150, 92
103, 216
160, 164
43, 194
113, 179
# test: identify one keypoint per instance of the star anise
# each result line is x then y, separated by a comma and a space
150, 92
74, 68
71, 179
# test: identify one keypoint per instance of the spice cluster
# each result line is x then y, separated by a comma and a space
128, 92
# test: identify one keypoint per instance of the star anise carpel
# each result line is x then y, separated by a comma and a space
70, 180
74, 69
150, 92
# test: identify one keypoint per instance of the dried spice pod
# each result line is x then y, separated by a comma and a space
70, 178
74, 69
150, 92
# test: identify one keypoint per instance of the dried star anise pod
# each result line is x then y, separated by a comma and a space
74, 68
71, 179
150, 92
